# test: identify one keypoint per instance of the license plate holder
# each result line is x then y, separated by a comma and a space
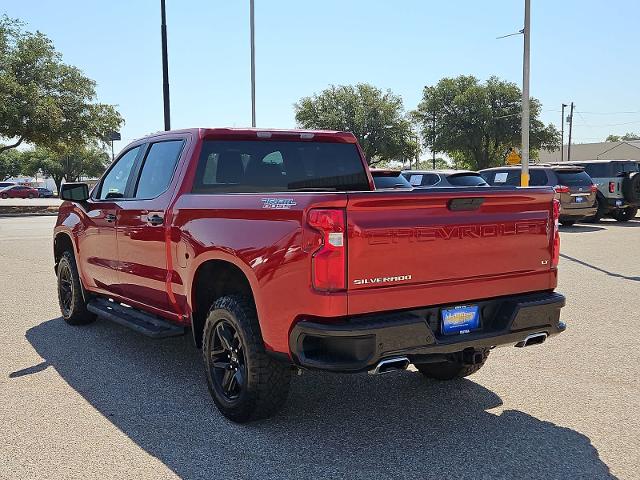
460, 319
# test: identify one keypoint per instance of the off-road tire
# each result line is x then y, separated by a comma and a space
625, 214
568, 223
74, 309
631, 187
266, 380
450, 370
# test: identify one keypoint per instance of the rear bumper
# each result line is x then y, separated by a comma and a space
359, 343
568, 214
615, 203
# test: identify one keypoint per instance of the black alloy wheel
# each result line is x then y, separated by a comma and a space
228, 366
65, 289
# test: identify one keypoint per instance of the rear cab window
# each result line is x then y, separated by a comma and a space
245, 166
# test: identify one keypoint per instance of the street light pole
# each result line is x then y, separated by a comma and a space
165, 67
524, 176
570, 130
253, 63
562, 134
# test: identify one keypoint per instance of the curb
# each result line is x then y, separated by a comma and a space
26, 214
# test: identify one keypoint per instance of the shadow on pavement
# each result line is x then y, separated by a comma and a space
580, 229
599, 269
393, 426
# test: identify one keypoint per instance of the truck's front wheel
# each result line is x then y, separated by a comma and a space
72, 303
245, 383
452, 369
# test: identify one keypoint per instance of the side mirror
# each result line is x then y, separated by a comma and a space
74, 192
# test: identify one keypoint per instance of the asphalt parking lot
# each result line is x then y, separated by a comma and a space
101, 401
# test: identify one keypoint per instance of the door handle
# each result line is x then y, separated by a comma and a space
155, 220
110, 217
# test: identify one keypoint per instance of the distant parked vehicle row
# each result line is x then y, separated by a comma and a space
19, 191
574, 187
587, 190
618, 183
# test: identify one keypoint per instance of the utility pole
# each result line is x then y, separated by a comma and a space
570, 129
433, 140
253, 64
165, 67
562, 134
524, 175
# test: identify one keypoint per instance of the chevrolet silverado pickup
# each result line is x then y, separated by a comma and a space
275, 251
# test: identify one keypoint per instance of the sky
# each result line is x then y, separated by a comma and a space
585, 51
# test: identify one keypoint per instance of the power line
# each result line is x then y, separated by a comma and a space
608, 124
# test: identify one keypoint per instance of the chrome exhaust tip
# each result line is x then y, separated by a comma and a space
389, 365
533, 339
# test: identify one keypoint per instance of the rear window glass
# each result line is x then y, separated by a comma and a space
466, 180
624, 167
573, 178
269, 166
598, 170
390, 181
422, 179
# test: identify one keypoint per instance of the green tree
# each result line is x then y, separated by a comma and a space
375, 117
42, 100
67, 163
10, 164
627, 137
474, 123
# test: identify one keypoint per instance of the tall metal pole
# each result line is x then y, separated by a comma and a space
524, 176
253, 64
562, 134
433, 140
570, 129
165, 68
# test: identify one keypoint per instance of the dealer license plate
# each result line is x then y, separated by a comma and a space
461, 319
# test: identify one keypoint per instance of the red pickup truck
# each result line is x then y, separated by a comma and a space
274, 249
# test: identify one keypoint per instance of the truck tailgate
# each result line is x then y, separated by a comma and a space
420, 248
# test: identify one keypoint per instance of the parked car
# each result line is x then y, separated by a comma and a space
275, 251
444, 178
18, 191
4, 185
389, 179
44, 192
574, 187
618, 184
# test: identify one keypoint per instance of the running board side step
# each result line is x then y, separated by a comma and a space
129, 317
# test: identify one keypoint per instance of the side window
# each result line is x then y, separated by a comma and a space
430, 179
158, 168
538, 178
115, 182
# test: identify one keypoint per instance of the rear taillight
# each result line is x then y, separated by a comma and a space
561, 189
329, 260
555, 248
612, 187
594, 188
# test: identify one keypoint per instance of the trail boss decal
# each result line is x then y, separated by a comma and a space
370, 281
278, 203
